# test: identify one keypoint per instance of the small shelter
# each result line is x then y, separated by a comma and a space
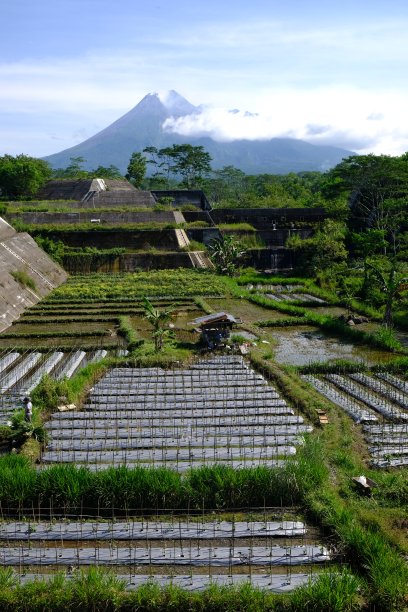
214, 328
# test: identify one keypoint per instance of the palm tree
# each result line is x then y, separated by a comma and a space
158, 319
391, 284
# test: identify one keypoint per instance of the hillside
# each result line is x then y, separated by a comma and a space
142, 127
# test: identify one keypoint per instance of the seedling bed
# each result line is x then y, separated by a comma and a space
29, 531
275, 583
151, 401
386, 428
204, 556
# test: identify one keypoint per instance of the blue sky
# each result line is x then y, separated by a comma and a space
327, 72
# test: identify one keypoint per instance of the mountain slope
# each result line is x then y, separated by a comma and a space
142, 127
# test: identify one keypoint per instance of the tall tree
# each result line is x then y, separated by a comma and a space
22, 176
136, 169
73, 170
371, 182
323, 250
190, 163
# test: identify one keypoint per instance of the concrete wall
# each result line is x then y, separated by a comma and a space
19, 252
108, 218
269, 259
132, 262
260, 217
111, 239
204, 235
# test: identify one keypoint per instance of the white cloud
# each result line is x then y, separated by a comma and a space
345, 117
282, 72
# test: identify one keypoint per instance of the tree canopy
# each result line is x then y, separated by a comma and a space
185, 161
22, 176
136, 169
75, 170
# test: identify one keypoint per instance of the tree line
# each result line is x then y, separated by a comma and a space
365, 234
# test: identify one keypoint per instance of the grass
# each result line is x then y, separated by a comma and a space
122, 490
95, 589
134, 286
24, 279
383, 339
318, 480
129, 333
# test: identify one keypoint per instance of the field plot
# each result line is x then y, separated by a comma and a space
20, 373
277, 554
380, 402
288, 293
217, 411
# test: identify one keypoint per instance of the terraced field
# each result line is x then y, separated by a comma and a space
380, 402
218, 411
20, 373
148, 428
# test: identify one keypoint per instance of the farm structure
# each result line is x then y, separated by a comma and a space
214, 328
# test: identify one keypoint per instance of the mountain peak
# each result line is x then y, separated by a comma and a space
145, 126
175, 104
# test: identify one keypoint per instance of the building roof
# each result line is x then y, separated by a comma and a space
217, 317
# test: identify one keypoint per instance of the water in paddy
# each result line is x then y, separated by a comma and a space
304, 345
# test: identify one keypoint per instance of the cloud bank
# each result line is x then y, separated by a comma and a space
348, 118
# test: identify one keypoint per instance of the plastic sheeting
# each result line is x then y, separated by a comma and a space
114, 443
175, 434
180, 418
215, 556
345, 402
168, 454
275, 583
151, 530
380, 387
372, 400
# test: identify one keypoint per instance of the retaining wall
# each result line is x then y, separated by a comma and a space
108, 218
20, 253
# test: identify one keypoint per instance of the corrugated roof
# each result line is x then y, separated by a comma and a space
213, 318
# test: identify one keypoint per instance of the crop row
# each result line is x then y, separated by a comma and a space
155, 283
366, 399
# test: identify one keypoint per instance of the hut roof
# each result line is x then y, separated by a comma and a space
217, 317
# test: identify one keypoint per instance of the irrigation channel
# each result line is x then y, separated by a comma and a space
216, 411
380, 403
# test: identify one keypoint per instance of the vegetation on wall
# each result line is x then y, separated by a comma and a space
22, 277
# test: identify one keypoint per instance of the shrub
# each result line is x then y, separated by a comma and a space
24, 279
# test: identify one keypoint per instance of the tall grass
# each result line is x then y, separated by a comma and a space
334, 591
368, 550
100, 591
127, 330
292, 387
117, 491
